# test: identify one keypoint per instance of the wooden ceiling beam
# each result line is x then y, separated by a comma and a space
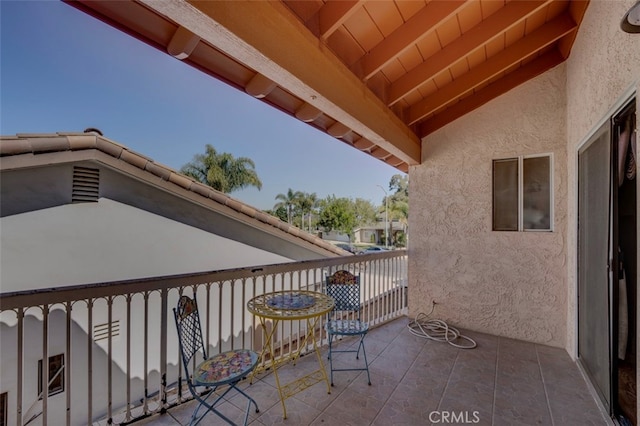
307, 113
182, 43
267, 38
518, 51
363, 144
577, 9
379, 153
338, 130
416, 28
493, 26
492, 91
259, 86
333, 14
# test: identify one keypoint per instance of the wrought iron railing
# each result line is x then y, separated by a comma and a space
110, 350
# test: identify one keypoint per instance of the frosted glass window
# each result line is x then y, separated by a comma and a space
536, 197
505, 195
522, 194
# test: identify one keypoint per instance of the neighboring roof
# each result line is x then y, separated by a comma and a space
377, 75
25, 149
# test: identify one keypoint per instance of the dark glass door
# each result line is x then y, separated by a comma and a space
594, 326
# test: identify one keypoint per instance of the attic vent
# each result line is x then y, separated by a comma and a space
101, 331
86, 185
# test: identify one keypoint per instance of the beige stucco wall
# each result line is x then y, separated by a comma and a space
602, 71
504, 283
521, 285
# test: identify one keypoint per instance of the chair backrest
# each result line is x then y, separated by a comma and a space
344, 288
189, 330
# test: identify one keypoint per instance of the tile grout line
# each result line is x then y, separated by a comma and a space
544, 385
495, 383
446, 386
403, 376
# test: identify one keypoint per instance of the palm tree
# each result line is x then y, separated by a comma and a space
222, 171
288, 201
307, 202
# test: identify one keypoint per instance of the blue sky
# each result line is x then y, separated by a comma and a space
62, 70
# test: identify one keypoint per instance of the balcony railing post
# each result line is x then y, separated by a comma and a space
164, 313
89, 361
45, 363
128, 299
68, 363
145, 404
109, 359
20, 350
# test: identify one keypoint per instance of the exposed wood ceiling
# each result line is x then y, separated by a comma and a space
378, 75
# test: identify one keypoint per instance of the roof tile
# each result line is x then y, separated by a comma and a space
248, 210
158, 170
218, 196
234, 204
109, 147
78, 142
180, 180
50, 144
14, 146
201, 189
134, 159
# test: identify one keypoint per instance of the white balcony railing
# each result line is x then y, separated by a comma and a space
110, 350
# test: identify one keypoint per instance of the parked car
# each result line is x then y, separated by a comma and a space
347, 247
374, 249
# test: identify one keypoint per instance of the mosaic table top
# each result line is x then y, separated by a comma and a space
226, 367
290, 304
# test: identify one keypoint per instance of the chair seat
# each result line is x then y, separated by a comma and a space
225, 368
347, 327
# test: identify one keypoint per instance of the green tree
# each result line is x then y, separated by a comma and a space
337, 214
222, 171
399, 185
399, 203
306, 203
288, 201
364, 211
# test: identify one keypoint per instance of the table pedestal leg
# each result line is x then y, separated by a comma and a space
298, 385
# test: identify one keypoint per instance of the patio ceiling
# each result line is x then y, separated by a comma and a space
377, 75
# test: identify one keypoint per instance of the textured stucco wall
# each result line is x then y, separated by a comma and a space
505, 283
603, 68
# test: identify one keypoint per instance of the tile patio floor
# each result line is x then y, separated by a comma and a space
416, 381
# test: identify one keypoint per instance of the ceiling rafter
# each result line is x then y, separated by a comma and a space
488, 29
412, 31
182, 43
307, 113
492, 91
515, 53
259, 86
333, 14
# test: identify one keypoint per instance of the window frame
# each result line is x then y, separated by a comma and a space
520, 161
53, 388
4, 408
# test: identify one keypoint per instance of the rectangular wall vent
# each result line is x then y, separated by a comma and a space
101, 331
86, 185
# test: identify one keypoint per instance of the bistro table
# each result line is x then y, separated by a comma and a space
291, 305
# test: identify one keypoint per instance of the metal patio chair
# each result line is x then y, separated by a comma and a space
344, 319
224, 369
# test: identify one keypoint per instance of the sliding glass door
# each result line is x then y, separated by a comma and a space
594, 326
